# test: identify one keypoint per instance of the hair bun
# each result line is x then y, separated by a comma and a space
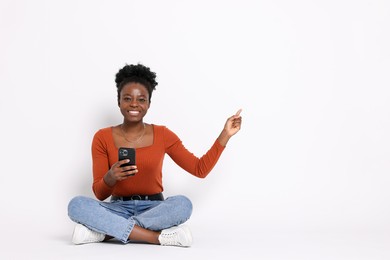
137, 71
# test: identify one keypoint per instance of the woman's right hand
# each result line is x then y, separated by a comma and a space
117, 173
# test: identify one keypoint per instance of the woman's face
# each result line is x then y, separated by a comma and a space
134, 101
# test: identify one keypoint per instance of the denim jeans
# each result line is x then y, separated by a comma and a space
117, 218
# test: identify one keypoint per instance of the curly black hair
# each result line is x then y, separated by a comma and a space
137, 73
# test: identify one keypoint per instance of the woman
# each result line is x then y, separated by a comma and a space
137, 210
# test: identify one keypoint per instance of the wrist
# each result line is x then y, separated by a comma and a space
223, 137
109, 179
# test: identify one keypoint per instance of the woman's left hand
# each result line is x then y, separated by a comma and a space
233, 124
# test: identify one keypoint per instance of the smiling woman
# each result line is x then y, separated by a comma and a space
137, 210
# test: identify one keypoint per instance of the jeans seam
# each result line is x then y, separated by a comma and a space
125, 237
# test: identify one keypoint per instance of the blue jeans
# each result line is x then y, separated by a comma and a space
117, 218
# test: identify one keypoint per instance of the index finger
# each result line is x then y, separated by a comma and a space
238, 112
123, 161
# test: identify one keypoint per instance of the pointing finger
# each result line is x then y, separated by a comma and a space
238, 112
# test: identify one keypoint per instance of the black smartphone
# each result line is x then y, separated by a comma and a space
126, 153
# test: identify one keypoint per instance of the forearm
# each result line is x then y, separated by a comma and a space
223, 138
101, 189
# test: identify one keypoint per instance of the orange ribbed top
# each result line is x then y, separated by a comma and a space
149, 160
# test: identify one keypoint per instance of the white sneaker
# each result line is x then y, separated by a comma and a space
176, 236
83, 235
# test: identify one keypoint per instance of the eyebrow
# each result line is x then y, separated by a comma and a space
141, 95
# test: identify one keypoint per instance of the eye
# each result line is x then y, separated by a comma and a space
142, 100
127, 99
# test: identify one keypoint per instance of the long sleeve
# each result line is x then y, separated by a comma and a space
199, 167
100, 166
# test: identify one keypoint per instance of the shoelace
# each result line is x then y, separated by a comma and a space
171, 239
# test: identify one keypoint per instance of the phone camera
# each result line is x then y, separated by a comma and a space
124, 152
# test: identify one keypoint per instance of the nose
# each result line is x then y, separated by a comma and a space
134, 103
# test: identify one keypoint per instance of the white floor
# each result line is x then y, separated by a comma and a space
210, 242
43, 231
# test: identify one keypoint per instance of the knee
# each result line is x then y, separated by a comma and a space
76, 205
182, 204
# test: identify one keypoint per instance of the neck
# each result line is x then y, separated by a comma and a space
133, 127
134, 133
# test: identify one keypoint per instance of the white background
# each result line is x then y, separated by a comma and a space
307, 177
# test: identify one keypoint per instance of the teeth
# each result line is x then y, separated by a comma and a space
133, 112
